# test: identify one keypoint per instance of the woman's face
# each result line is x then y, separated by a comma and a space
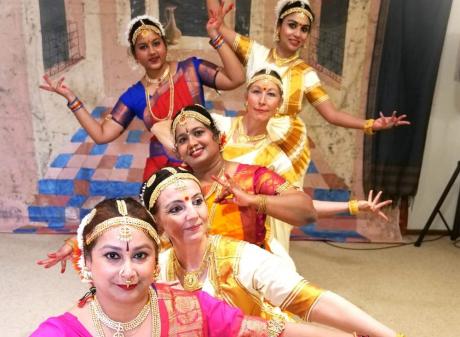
182, 212
264, 99
293, 32
115, 264
195, 143
150, 50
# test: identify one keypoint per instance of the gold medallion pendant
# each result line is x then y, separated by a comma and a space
192, 281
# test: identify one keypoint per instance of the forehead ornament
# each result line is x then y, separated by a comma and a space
183, 115
126, 224
177, 177
266, 76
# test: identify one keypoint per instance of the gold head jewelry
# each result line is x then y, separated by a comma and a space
300, 9
176, 177
126, 223
183, 115
301, 6
266, 76
143, 28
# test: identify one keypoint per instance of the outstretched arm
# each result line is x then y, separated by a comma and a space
340, 118
101, 133
371, 205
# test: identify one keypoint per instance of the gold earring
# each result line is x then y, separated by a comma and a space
276, 36
156, 273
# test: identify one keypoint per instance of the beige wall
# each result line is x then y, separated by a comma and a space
342, 148
18, 170
442, 148
53, 123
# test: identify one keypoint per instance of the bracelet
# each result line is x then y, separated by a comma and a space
275, 327
261, 204
72, 242
75, 105
353, 207
69, 104
219, 45
217, 42
367, 128
216, 39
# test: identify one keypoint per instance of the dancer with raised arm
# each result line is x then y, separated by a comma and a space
166, 87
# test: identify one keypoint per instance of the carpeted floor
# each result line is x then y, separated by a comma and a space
414, 290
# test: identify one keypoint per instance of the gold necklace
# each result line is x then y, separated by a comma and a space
158, 80
98, 316
215, 184
243, 138
171, 100
280, 61
191, 279
217, 189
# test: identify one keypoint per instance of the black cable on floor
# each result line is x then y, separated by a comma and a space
333, 244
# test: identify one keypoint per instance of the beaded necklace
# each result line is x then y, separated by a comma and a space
98, 316
217, 189
171, 100
158, 80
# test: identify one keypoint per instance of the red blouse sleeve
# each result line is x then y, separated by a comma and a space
268, 182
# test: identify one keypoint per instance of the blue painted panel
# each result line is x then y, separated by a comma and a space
61, 160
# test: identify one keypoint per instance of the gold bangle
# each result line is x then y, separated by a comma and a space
400, 335
275, 327
261, 204
72, 242
353, 207
368, 126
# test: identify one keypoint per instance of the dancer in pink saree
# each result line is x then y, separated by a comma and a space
118, 255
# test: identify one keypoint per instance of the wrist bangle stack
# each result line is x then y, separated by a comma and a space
368, 127
261, 204
217, 42
353, 207
75, 105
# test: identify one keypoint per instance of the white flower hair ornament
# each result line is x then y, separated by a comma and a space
80, 266
131, 23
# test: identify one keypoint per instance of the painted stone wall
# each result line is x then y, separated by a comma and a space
18, 170
53, 122
37, 125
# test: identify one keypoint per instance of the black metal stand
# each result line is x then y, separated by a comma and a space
455, 232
